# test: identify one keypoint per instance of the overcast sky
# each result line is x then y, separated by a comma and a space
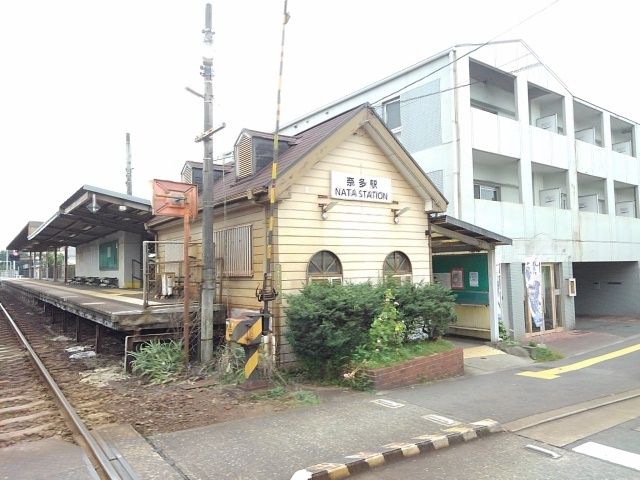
78, 74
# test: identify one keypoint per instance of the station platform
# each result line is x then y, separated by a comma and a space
118, 309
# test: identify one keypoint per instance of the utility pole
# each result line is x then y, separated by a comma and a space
129, 186
208, 261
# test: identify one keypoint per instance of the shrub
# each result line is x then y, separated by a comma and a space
387, 330
330, 326
327, 322
158, 361
426, 308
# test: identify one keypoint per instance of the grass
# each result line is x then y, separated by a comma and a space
408, 351
302, 397
543, 354
159, 362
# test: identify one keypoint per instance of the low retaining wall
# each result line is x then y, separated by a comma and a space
417, 370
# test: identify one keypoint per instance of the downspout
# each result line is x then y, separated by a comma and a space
456, 150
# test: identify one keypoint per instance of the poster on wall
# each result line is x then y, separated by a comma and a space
533, 281
474, 279
457, 279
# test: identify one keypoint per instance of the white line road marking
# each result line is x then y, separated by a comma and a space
440, 420
610, 454
387, 403
544, 451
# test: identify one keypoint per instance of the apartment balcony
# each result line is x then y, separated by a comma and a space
587, 124
624, 167
591, 159
627, 230
622, 138
595, 227
495, 133
546, 110
554, 222
549, 148
501, 217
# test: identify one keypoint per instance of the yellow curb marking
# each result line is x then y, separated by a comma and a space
338, 472
467, 433
438, 441
375, 460
554, 373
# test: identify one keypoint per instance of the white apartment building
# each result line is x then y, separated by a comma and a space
515, 153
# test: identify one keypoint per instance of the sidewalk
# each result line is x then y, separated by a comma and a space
351, 426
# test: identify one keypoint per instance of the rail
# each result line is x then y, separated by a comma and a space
91, 445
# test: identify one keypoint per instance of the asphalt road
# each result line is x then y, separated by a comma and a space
507, 396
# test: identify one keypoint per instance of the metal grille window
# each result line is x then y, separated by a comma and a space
234, 247
398, 266
324, 266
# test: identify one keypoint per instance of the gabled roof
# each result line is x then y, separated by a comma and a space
312, 139
74, 224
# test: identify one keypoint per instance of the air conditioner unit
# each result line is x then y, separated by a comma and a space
626, 209
550, 122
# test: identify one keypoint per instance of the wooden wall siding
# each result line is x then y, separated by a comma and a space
236, 292
361, 234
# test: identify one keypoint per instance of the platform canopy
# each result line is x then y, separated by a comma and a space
89, 214
451, 235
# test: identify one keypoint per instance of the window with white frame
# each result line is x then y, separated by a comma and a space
483, 191
397, 266
234, 247
325, 267
392, 115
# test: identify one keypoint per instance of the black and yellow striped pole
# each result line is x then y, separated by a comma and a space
268, 293
248, 334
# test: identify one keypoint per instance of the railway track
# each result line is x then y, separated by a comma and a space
33, 407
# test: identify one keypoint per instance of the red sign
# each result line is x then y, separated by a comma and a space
173, 198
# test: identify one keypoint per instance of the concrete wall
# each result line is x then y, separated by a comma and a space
607, 288
129, 248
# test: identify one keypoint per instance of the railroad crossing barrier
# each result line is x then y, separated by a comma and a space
247, 332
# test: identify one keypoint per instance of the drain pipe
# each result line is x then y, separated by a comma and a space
456, 150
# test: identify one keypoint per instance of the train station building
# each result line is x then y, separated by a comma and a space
352, 206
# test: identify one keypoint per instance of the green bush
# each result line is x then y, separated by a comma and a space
426, 308
327, 322
158, 361
387, 330
329, 325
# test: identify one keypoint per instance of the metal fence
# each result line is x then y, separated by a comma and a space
163, 270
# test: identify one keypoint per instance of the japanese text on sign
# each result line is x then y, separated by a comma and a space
350, 186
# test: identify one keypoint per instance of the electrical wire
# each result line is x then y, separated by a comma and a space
409, 100
469, 52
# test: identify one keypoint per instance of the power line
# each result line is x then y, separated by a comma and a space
470, 51
409, 100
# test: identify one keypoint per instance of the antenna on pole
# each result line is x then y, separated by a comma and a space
129, 185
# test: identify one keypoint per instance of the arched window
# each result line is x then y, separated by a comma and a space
397, 265
324, 266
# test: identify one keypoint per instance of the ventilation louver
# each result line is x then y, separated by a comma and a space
244, 160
